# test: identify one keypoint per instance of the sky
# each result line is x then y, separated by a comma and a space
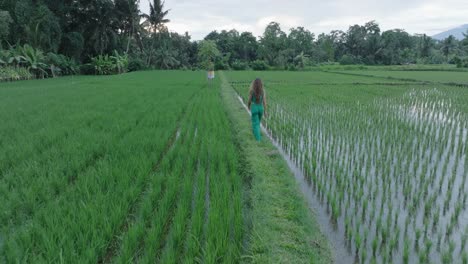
200, 17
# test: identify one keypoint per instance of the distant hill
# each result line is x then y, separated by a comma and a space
456, 32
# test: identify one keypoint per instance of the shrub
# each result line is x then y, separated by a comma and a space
120, 62
136, 64
259, 65
291, 67
9, 73
30, 62
348, 60
87, 69
239, 65
34, 59
437, 58
103, 65
221, 65
460, 62
60, 64
107, 65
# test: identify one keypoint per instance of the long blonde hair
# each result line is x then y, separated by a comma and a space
257, 89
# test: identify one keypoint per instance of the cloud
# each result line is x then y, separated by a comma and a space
416, 16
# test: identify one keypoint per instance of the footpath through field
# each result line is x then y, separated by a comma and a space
283, 229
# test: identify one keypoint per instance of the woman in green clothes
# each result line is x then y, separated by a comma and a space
257, 105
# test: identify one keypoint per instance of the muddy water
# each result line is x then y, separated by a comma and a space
340, 249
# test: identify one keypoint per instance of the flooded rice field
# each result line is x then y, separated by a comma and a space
389, 166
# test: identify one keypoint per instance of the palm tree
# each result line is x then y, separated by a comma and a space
157, 17
165, 58
155, 23
425, 46
448, 46
465, 39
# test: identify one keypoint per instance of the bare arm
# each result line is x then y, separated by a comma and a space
249, 102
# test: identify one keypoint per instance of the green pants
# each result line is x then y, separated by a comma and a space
257, 113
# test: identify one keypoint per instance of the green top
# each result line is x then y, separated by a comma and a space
254, 99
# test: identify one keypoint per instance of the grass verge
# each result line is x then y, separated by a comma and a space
282, 227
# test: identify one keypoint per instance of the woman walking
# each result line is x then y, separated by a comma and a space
257, 106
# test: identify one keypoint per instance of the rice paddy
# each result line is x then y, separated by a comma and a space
159, 167
118, 169
388, 159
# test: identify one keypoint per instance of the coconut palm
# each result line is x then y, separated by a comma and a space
157, 17
165, 58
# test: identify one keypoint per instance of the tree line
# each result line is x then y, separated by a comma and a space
100, 34
360, 44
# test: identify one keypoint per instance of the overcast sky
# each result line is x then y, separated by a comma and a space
200, 17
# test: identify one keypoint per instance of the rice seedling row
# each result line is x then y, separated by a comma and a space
446, 77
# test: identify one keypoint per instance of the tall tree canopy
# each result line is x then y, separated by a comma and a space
83, 29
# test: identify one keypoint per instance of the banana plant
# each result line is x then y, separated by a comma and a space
301, 60
11, 57
34, 60
60, 64
103, 65
121, 61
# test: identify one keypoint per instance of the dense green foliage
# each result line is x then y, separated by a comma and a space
364, 44
387, 156
26, 62
82, 30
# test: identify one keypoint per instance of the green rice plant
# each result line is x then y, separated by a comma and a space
417, 237
423, 257
366, 234
348, 228
393, 244
436, 217
439, 241
446, 257
363, 256
427, 247
357, 240
374, 246
464, 238
406, 251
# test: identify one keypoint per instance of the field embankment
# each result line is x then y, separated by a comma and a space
283, 229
